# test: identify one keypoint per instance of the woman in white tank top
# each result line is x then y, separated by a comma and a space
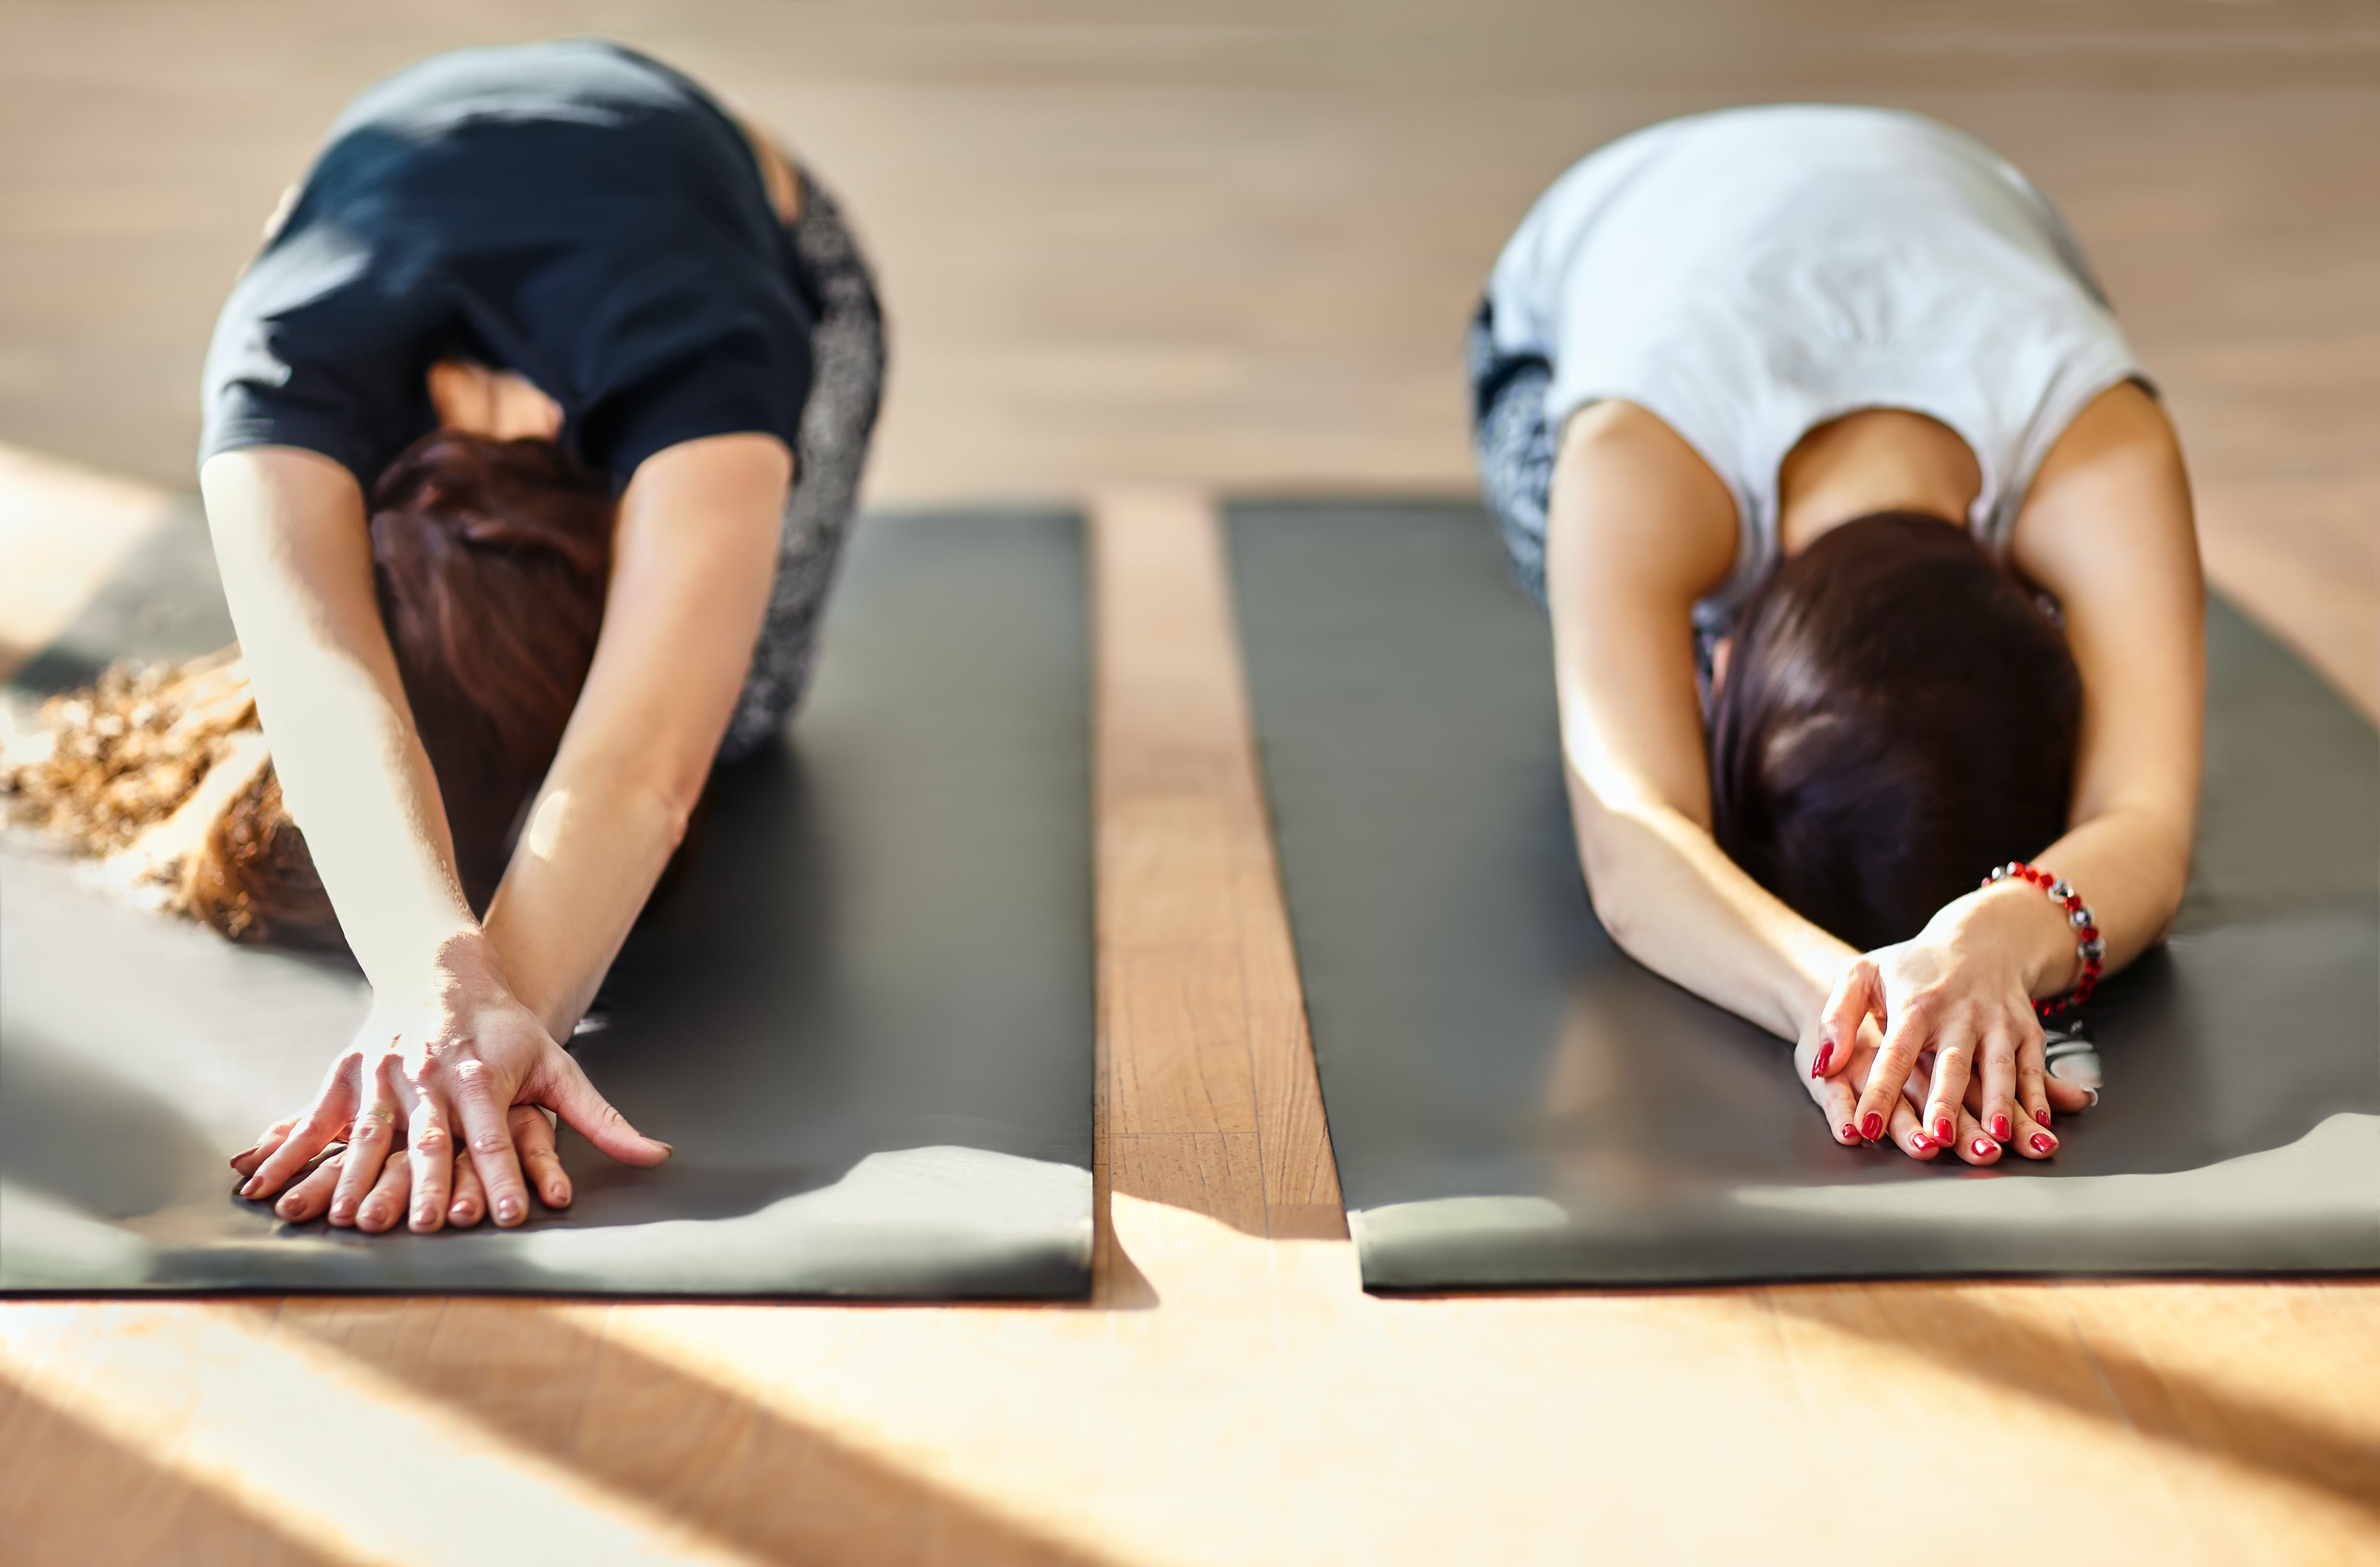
1871, 568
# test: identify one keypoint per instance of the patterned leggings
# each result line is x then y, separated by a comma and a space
1511, 445
847, 381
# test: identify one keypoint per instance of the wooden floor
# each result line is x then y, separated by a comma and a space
1143, 257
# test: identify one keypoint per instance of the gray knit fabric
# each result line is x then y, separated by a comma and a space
847, 381
1513, 445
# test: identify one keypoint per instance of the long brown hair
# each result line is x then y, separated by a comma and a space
490, 560
1899, 715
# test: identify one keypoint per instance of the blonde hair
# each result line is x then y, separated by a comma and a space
489, 561
159, 772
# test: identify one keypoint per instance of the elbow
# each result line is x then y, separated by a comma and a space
671, 808
654, 811
2165, 835
631, 812
2168, 906
1614, 893
662, 791
1619, 915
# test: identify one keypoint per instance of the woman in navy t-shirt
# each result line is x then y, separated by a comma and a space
531, 439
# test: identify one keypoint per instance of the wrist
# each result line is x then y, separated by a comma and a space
2012, 916
1816, 971
537, 982
2090, 946
454, 969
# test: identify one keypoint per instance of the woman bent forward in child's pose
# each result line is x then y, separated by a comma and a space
1872, 573
531, 437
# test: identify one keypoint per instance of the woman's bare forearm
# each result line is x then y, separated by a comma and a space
1674, 902
592, 850
296, 559
693, 561
2127, 865
1639, 528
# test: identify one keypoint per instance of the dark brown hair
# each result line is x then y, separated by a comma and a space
489, 559
1899, 715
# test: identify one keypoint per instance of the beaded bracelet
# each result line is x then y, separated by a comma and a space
2091, 949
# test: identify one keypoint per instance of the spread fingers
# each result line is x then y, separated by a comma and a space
1997, 1063
1951, 1074
532, 1132
311, 1193
1908, 1134
256, 1153
468, 1201
2032, 1140
1975, 1146
370, 1143
383, 1205
432, 1156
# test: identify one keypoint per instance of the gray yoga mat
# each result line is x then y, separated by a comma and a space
1513, 1101
862, 1016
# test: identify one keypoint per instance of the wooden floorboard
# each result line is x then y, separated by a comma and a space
1195, 942
1140, 258
1230, 1394
2302, 556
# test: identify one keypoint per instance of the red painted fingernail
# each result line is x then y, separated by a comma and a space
2041, 1143
1985, 1148
1942, 1130
2000, 1127
1873, 1126
2041, 1114
1851, 1133
1920, 1141
1826, 1058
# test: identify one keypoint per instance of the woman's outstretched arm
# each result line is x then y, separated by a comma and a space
2107, 528
295, 552
1639, 528
693, 561
448, 1049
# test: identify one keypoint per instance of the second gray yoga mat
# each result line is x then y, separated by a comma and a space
863, 1015
1513, 1101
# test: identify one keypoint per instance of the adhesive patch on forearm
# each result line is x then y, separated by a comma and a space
1513, 1101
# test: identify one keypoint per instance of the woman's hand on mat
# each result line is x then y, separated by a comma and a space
388, 1200
1945, 1003
1835, 1077
1839, 1092
458, 1064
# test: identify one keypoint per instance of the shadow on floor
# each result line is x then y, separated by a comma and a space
709, 1457
2163, 1405
69, 1493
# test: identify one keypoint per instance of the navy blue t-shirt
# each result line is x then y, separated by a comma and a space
573, 212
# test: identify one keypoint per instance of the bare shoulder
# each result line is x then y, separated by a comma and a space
275, 489
1638, 505
2111, 498
2106, 527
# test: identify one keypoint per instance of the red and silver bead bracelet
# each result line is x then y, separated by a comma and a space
2091, 949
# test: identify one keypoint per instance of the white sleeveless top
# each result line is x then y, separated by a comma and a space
1750, 275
